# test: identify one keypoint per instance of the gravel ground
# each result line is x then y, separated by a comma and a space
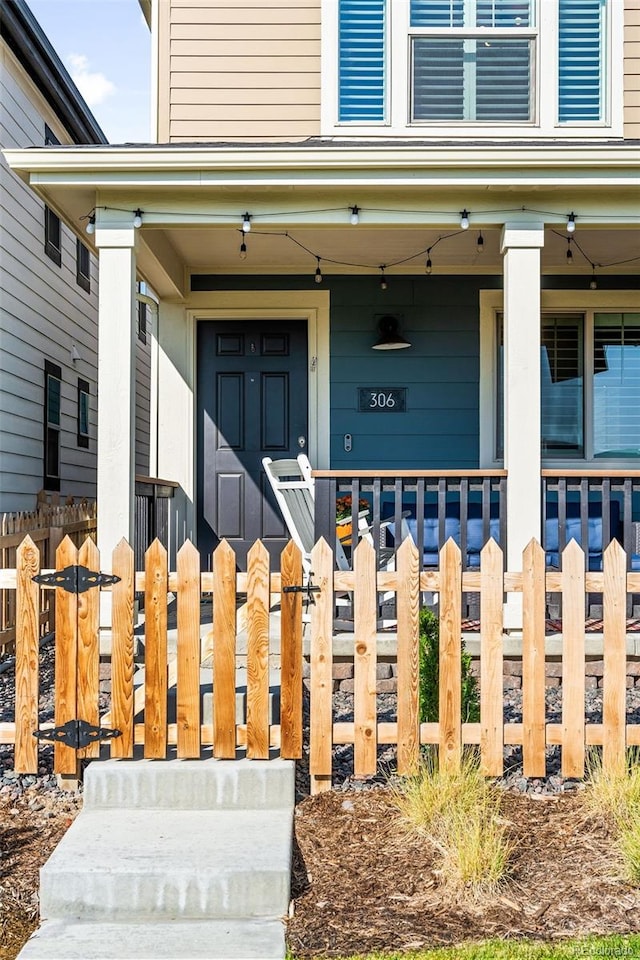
13, 785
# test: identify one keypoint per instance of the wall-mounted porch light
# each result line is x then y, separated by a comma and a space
389, 337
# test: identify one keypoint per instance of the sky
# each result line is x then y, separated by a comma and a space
106, 47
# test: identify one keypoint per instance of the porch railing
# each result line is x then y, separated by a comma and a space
467, 505
152, 514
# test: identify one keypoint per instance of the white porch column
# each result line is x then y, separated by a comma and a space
116, 389
520, 245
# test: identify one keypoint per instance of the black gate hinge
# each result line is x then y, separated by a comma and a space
309, 589
77, 734
76, 579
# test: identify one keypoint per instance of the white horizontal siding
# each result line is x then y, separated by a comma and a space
143, 402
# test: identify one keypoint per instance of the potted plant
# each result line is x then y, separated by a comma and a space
344, 514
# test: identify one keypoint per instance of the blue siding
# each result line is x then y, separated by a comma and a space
441, 369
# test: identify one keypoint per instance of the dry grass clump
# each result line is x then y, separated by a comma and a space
614, 795
460, 812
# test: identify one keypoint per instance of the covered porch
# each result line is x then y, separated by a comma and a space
509, 273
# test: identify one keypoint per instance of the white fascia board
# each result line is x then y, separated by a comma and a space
191, 164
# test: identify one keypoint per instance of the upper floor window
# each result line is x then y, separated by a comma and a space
52, 236
83, 266
51, 424
474, 67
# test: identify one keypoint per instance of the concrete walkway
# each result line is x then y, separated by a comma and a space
171, 860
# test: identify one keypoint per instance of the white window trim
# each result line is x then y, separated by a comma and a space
545, 105
573, 301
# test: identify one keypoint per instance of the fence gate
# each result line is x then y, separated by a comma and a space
77, 733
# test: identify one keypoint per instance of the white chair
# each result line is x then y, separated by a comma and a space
294, 490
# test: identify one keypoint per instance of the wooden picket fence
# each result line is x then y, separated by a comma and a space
77, 658
47, 526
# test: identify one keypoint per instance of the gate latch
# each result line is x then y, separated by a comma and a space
76, 579
309, 589
77, 734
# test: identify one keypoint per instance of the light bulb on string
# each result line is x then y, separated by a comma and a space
137, 218
594, 283
318, 272
571, 222
480, 243
383, 279
91, 224
428, 264
243, 250
246, 223
569, 251
355, 215
464, 219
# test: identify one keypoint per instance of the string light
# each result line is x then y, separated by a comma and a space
571, 222
480, 243
355, 215
137, 218
91, 223
318, 272
464, 220
428, 265
594, 283
383, 279
243, 250
246, 223
569, 252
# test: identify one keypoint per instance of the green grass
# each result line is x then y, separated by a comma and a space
591, 947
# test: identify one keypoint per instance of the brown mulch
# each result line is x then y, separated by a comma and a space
30, 829
360, 884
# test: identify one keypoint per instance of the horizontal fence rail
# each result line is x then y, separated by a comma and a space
141, 711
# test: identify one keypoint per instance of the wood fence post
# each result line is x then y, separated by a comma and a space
364, 660
491, 660
533, 661
408, 670
291, 654
573, 661
27, 657
188, 652
321, 682
258, 595
615, 659
450, 741
155, 660
224, 652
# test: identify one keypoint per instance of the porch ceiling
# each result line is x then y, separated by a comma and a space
299, 197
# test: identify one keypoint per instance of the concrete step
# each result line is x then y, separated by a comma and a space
190, 785
178, 940
170, 864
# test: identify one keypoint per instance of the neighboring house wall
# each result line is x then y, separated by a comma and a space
233, 71
43, 313
632, 70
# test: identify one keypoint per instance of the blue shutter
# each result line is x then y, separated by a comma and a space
361, 60
580, 61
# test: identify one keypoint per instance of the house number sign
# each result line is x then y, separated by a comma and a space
382, 399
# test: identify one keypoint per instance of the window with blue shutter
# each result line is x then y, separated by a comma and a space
361, 60
580, 35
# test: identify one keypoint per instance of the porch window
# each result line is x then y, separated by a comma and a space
589, 386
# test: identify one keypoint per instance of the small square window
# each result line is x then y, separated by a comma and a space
52, 246
83, 266
83, 413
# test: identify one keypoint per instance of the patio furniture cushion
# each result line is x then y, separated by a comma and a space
574, 531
